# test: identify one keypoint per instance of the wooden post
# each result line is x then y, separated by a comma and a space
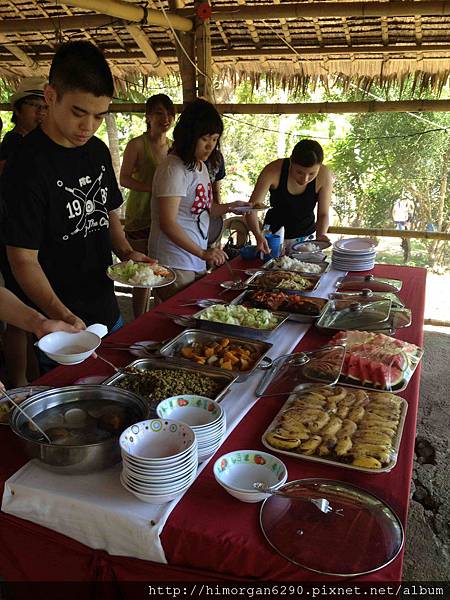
185, 49
204, 57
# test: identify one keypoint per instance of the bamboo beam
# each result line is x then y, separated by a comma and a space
302, 52
436, 322
397, 8
303, 108
61, 23
133, 12
422, 235
147, 49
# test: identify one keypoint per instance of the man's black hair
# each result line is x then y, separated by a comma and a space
18, 105
199, 118
81, 66
307, 153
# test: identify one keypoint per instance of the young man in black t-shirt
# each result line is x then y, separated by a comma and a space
61, 193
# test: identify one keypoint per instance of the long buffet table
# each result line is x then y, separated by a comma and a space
209, 536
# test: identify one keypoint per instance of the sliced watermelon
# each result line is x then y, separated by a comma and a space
353, 368
366, 371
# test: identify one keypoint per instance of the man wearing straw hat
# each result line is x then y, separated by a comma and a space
29, 110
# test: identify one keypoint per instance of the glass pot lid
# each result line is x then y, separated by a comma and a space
367, 295
302, 369
351, 314
360, 535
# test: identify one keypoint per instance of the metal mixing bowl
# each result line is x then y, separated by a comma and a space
74, 459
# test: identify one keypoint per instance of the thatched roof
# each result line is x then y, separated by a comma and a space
294, 51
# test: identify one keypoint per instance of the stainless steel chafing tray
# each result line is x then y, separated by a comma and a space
254, 281
293, 316
191, 336
223, 378
237, 330
366, 295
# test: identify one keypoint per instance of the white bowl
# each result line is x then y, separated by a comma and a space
237, 471
157, 440
72, 348
157, 498
196, 411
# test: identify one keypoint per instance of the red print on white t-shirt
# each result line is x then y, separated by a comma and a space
202, 199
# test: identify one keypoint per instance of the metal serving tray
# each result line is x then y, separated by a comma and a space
224, 378
173, 348
298, 317
330, 461
252, 282
237, 330
274, 265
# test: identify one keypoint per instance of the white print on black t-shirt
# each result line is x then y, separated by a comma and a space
88, 206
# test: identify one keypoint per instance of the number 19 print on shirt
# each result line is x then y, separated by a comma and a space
86, 206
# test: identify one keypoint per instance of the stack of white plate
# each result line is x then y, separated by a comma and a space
205, 417
160, 459
354, 254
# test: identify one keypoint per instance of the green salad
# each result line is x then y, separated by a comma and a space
257, 318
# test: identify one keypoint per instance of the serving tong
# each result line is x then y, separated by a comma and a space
321, 504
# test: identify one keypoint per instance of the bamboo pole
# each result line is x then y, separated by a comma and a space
185, 52
307, 107
395, 8
133, 12
421, 106
405, 233
436, 322
51, 24
203, 57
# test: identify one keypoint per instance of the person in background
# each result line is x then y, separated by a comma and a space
400, 214
141, 157
29, 109
61, 222
216, 170
182, 198
296, 185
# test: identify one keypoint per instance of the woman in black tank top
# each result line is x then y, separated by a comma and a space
296, 185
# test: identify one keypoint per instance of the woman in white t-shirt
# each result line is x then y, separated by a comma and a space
182, 198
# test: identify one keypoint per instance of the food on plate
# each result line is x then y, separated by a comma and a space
284, 280
308, 247
289, 303
375, 360
310, 424
255, 318
293, 264
158, 384
137, 273
223, 354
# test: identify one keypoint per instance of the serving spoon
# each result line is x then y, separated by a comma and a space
27, 417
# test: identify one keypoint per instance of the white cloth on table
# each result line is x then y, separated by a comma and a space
96, 510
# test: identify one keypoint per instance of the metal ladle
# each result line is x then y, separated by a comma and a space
27, 417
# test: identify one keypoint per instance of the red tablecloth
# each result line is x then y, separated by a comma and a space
210, 535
